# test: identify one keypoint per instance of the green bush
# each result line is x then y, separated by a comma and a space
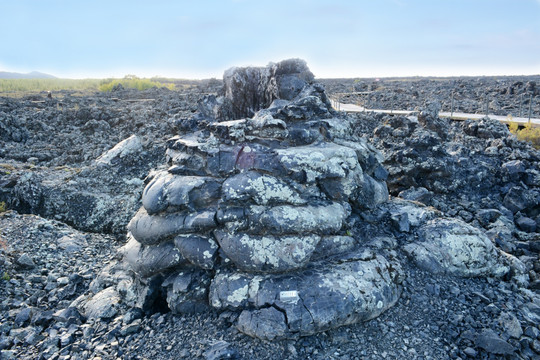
528, 133
3, 207
133, 82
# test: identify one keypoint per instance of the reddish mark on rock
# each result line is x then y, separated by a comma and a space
245, 159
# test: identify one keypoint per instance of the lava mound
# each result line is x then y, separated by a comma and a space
259, 207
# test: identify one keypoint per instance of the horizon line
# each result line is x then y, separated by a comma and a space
325, 75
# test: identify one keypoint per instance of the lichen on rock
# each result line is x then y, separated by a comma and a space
454, 247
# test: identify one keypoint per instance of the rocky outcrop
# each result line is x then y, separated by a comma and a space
271, 208
254, 212
100, 197
248, 90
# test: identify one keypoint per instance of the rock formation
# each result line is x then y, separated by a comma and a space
270, 208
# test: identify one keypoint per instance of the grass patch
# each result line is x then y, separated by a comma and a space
15, 86
528, 133
38, 85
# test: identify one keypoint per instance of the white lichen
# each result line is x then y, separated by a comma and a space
238, 295
320, 161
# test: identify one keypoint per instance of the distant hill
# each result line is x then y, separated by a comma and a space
30, 75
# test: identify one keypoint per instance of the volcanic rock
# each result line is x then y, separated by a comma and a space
254, 213
454, 247
259, 199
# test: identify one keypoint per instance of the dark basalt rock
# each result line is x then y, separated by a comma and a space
312, 300
492, 343
451, 246
526, 224
258, 193
248, 90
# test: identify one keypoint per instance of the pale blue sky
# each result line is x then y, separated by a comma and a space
200, 39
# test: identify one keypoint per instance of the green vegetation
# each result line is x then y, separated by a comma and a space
133, 82
528, 133
5, 276
3, 207
13, 86
37, 85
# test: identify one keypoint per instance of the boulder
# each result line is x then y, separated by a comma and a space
492, 343
123, 149
187, 291
526, 224
454, 247
179, 192
314, 300
153, 229
249, 89
199, 250
420, 194
518, 199
103, 305
149, 260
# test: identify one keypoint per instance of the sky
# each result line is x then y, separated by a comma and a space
200, 39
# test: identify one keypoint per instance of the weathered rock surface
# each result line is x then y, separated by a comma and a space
103, 304
454, 247
264, 195
313, 300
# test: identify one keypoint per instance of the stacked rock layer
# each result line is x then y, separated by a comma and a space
253, 214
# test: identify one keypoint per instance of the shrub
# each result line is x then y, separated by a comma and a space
513, 126
133, 82
528, 133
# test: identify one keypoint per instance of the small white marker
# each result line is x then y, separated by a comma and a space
289, 296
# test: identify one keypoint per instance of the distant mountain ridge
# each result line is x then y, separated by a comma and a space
30, 75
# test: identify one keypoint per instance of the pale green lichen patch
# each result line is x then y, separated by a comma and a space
238, 295
452, 246
269, 253
288, 219
354, 283
262, 189
319, 162
293, 251
268, 188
